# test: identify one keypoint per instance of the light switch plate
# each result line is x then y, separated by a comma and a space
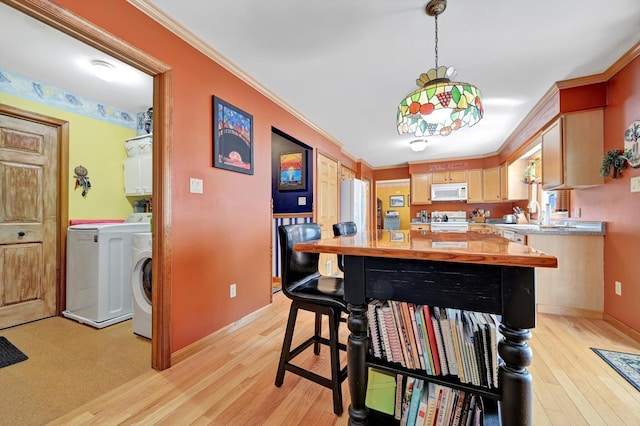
196, 186
635, 184
302, 201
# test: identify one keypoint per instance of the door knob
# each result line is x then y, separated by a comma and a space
21, 234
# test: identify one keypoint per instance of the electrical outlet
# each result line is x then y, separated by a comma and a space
618, 288
328, 267
196, 186
232, 291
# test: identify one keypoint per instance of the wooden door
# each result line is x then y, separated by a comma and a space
327, 208
28, 220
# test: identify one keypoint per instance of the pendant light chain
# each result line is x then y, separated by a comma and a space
436, 41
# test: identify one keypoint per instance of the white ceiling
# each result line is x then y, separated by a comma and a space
39, 52
346, 64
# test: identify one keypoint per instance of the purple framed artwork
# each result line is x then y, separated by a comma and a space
232, 138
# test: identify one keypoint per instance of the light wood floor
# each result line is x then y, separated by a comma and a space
227, 379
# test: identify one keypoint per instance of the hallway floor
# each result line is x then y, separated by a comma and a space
69, 364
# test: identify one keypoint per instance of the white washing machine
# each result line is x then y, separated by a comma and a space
98, 270
141, 284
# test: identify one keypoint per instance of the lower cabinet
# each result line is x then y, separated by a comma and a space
138, 175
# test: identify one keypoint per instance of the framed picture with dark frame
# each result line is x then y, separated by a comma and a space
396, 201
292, 171
232, 138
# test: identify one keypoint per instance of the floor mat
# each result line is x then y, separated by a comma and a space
9, 354
627, 365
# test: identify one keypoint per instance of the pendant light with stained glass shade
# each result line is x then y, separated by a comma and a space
440, 105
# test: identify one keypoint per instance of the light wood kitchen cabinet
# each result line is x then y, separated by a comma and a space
421, 188
575, 287
458, 176
504, 186
572, 150
474, 186
491, 185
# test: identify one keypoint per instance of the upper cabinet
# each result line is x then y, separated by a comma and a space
138, 175
421, 188
458, 176
491, 185
572, 150
474, 187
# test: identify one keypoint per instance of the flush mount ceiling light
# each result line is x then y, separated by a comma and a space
440, 105
418, 145
103, 70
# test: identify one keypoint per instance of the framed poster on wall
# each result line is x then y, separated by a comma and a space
232, 138
292, 172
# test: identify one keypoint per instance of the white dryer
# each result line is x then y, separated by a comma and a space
98, 270
141, 283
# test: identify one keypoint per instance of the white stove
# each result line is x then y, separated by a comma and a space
449, 221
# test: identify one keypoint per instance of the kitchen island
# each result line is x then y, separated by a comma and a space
470, 271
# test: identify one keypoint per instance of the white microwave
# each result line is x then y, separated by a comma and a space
449, 192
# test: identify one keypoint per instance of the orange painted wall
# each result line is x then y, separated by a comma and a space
215, 235
615, 204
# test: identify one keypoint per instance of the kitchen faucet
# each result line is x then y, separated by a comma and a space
534, 203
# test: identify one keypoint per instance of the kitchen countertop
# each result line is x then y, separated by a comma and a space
557, 228
565, 227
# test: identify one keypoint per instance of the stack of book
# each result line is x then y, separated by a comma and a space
439, 341
415, 402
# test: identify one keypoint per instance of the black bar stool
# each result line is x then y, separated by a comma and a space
343, 228
310, 291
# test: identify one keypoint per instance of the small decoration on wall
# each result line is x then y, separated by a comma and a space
82, 180
631, 141
232, 138
292, 171
614, 162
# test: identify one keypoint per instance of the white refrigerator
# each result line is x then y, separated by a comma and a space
353, 203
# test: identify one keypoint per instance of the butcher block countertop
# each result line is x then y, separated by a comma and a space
462, 247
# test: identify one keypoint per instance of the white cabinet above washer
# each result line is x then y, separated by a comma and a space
138, 175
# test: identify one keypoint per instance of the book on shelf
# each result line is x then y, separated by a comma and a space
486, 357
451, 315
457, 412
405, 319
424, 340
412, 413
470, 344
416, 337
422, 407
432, 401
403, 337
372, 325
392, 333
493, 346
435, 320
406, 400
447, 338
400, 384
381, 391
384, 344
432, 339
